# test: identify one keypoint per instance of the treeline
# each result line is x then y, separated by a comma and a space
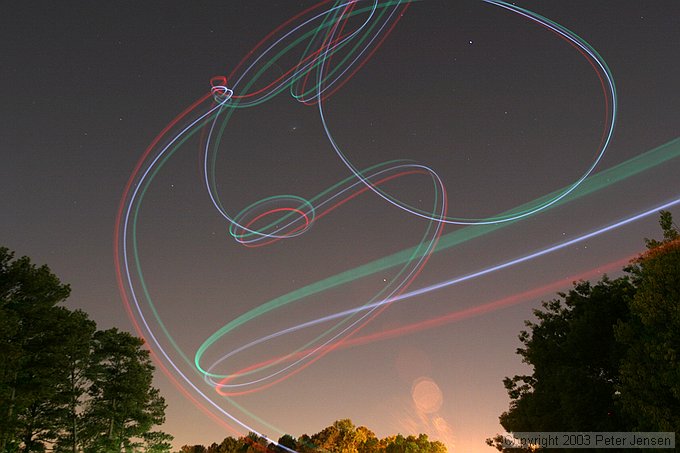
340, 437
64, 385
605, 356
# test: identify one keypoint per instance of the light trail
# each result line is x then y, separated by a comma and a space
610, 98
425, 290
336, 39
439, 321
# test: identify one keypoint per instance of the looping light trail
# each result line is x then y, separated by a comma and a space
328, 44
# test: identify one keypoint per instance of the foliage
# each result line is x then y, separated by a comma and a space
341, 437
28, 296
650, 370
157, 442
76, 344
59, 375
670, 230
575, 361
604, 356
123, 405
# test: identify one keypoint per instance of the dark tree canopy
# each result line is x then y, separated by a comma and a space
123, 404
28, 298
575, 362
64, 386
605, 356
650, 370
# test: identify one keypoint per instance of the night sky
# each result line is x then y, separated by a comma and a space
503, 110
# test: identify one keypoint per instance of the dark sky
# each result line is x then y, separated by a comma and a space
502, 110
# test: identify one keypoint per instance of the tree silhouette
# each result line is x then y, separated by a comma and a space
604, 356
63, 384
28, 297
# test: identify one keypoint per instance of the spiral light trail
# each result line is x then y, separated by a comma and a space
330, 42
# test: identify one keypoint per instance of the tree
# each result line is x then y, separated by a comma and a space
348, 441
575, 362
305, 444
670, 230
123, 405
58, 375
228, 445
326, 439
413, 444
253, 443
28, 296
57, 365
40, 381
604, 356
341, 436
286, 441
157, 442
367, 442
193, 449
74, 362
650, 370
